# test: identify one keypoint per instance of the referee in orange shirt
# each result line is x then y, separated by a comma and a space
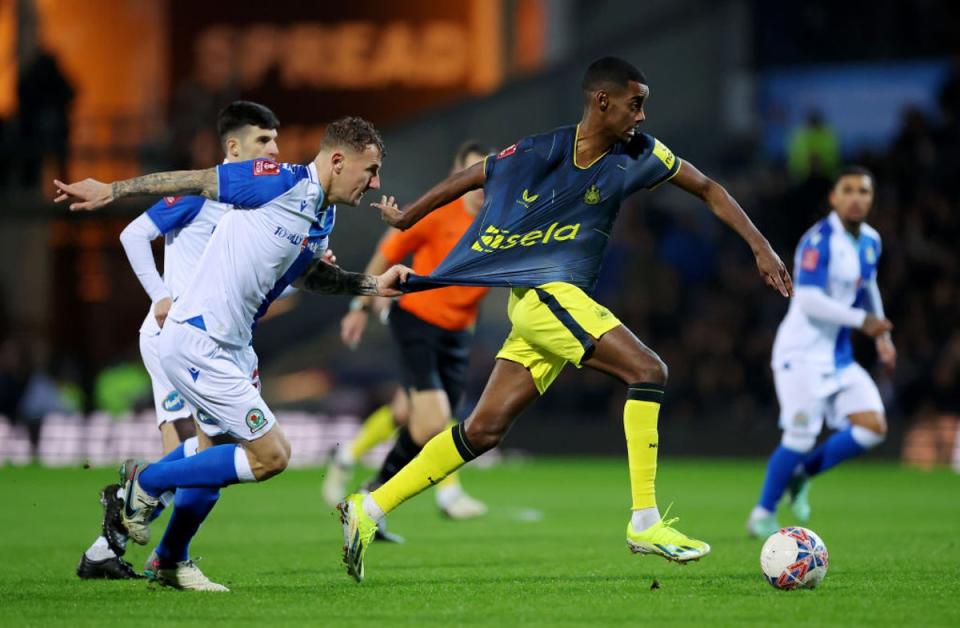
434, 331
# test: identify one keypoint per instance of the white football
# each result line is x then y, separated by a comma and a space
794, 558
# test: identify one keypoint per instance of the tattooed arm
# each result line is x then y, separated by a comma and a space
196, 182
92, 194
324, 278
328, 279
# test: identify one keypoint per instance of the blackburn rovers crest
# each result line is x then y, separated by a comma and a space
256, 420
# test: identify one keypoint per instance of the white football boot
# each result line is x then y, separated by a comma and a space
461, 506
186, 576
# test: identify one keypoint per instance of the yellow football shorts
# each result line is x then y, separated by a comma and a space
553, 324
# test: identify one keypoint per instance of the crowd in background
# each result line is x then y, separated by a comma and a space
688, 286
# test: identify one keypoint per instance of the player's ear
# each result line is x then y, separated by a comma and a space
233, 147
603, 99
337, 159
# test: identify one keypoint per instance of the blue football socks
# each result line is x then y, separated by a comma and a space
175, 454
190, 507
211, 468
780, 469
839, 447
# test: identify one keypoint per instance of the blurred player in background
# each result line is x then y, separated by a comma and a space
379, 427
274, 237
247, 131
550, 203
433, 331
814, 371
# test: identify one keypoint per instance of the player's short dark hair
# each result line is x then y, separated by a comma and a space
469, 147
611, 71
354, 132
241, 113
855, 171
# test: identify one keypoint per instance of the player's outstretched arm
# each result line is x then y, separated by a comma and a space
91, 194
323, 278
726, 208
450, 189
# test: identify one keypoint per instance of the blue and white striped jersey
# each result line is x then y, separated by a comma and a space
186, 223
844, 268
253, 255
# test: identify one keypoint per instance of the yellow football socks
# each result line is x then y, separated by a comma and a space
453, 479
376, 429
442, 455
640, 426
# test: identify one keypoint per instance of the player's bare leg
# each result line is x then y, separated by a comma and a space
868, 429
621, 354
377, 428
875, 422
509, 391
269, 455
172, 433
247, 461
430, 411
430, 415
204, 441
400, 405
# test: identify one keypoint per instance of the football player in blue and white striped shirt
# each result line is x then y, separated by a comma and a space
247, 130
273, 237
816, 377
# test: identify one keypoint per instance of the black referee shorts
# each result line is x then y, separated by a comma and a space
433, 358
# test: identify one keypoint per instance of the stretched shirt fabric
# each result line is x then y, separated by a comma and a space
454, 307
279, 222
836, 286
546, 218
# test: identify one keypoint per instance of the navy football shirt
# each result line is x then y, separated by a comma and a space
546, 218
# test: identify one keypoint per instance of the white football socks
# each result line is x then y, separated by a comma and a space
100, 550
372, 509
644, 518
343, 456
446, 495
241, 464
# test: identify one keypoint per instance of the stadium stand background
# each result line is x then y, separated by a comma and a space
70, 307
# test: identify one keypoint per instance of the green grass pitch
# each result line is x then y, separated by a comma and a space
551, 552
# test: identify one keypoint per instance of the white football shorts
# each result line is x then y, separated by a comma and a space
221, 384
169, 403
812, 394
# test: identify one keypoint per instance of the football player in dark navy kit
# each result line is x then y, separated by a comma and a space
550, 201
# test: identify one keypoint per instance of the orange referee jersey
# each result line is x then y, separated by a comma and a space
430, 240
